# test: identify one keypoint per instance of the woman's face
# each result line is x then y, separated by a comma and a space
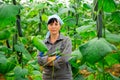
54, 27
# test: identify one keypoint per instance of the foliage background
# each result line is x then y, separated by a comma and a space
95, 55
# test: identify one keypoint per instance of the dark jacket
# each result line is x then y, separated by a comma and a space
61, 69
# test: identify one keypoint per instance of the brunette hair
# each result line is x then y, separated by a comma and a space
52, 20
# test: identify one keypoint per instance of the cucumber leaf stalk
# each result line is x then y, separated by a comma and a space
56, 53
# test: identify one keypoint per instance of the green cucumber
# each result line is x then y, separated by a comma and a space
39, 44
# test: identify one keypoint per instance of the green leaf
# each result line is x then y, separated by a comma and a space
40, 6
116, 17
2, 59
36, 67
6, 50
86, 6
90, 77
20, 48
69, 21
75, 59
65, 10
113, 38
4, 34
79, 77
44, 17
8, 14
8, 65
24, 40
24, 72
73, 62
76, 53
34, 19
107, 5
11, 63
100, 4
114, 77
35, 72
20, 73
31, 0
83, 29
96, 49
33, 62
112, 59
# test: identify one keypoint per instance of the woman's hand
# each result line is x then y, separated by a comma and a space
50, 60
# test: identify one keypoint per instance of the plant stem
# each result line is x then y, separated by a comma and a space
103, 70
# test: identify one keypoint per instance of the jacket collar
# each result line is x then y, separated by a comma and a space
61, 37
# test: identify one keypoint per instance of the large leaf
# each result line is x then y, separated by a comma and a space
8, 64
5, 49
74, 62
112, 59
3, 59
40, 6
107, 5
113, 37
116, 17
20, 73
76, 53
84, 28
4, 34
34, 20
8, 14
69, 21
20, 48
65, 10
96, 49
75, 59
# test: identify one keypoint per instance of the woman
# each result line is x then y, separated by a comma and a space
56, 67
